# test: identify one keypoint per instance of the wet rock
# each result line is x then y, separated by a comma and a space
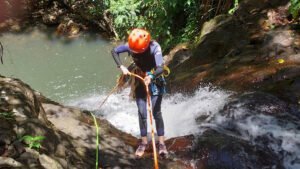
29, 159
49, 163
213, 149
259, 103
6, 162
294, 58
289, 73
280, 37
19, 99
216, 150
264, 121
70, 29
27, 120
177, 55
236, 53
278, 16
212, 24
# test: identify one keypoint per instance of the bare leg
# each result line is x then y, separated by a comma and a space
144, 140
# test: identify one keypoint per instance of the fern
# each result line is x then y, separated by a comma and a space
33, 141
7, 115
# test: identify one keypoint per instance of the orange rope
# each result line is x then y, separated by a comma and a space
111, 92
149, 108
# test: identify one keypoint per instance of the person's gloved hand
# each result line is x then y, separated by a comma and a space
124, 69
147, 80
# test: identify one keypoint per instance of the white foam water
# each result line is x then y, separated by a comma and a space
179, 111
280, 135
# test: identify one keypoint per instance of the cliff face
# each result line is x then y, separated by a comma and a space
255, 49
23, 115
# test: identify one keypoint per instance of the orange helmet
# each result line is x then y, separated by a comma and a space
138, 40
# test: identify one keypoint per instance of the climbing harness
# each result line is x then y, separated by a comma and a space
166, 71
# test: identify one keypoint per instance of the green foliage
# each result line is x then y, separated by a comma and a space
125, 14
7, 115
157, 16
96, 7
191, 28
33, 141
232, 10
171, 21
295, 8
90, 8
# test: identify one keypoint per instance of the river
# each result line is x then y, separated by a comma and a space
60, 69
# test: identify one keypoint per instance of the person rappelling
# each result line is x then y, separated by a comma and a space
149, 65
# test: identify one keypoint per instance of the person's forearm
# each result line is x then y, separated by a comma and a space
116, 58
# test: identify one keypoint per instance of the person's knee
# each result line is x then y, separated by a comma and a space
157, 115
143, 115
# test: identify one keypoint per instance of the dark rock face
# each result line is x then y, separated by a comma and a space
266, 122
215, 150
261, 103
22, 114
19, 98
252, 50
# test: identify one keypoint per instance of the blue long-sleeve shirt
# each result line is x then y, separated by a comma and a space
146, 61
150, 59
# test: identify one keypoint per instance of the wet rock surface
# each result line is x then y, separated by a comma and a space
265, 121
247, 51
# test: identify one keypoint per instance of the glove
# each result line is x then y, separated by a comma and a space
125, 71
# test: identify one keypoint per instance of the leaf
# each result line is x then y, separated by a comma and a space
32, 141
38, 138
294, 8
27, 138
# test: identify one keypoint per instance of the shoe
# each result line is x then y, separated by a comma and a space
140, 150
162, 149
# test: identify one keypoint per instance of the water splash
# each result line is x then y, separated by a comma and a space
179, 111
252, 120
